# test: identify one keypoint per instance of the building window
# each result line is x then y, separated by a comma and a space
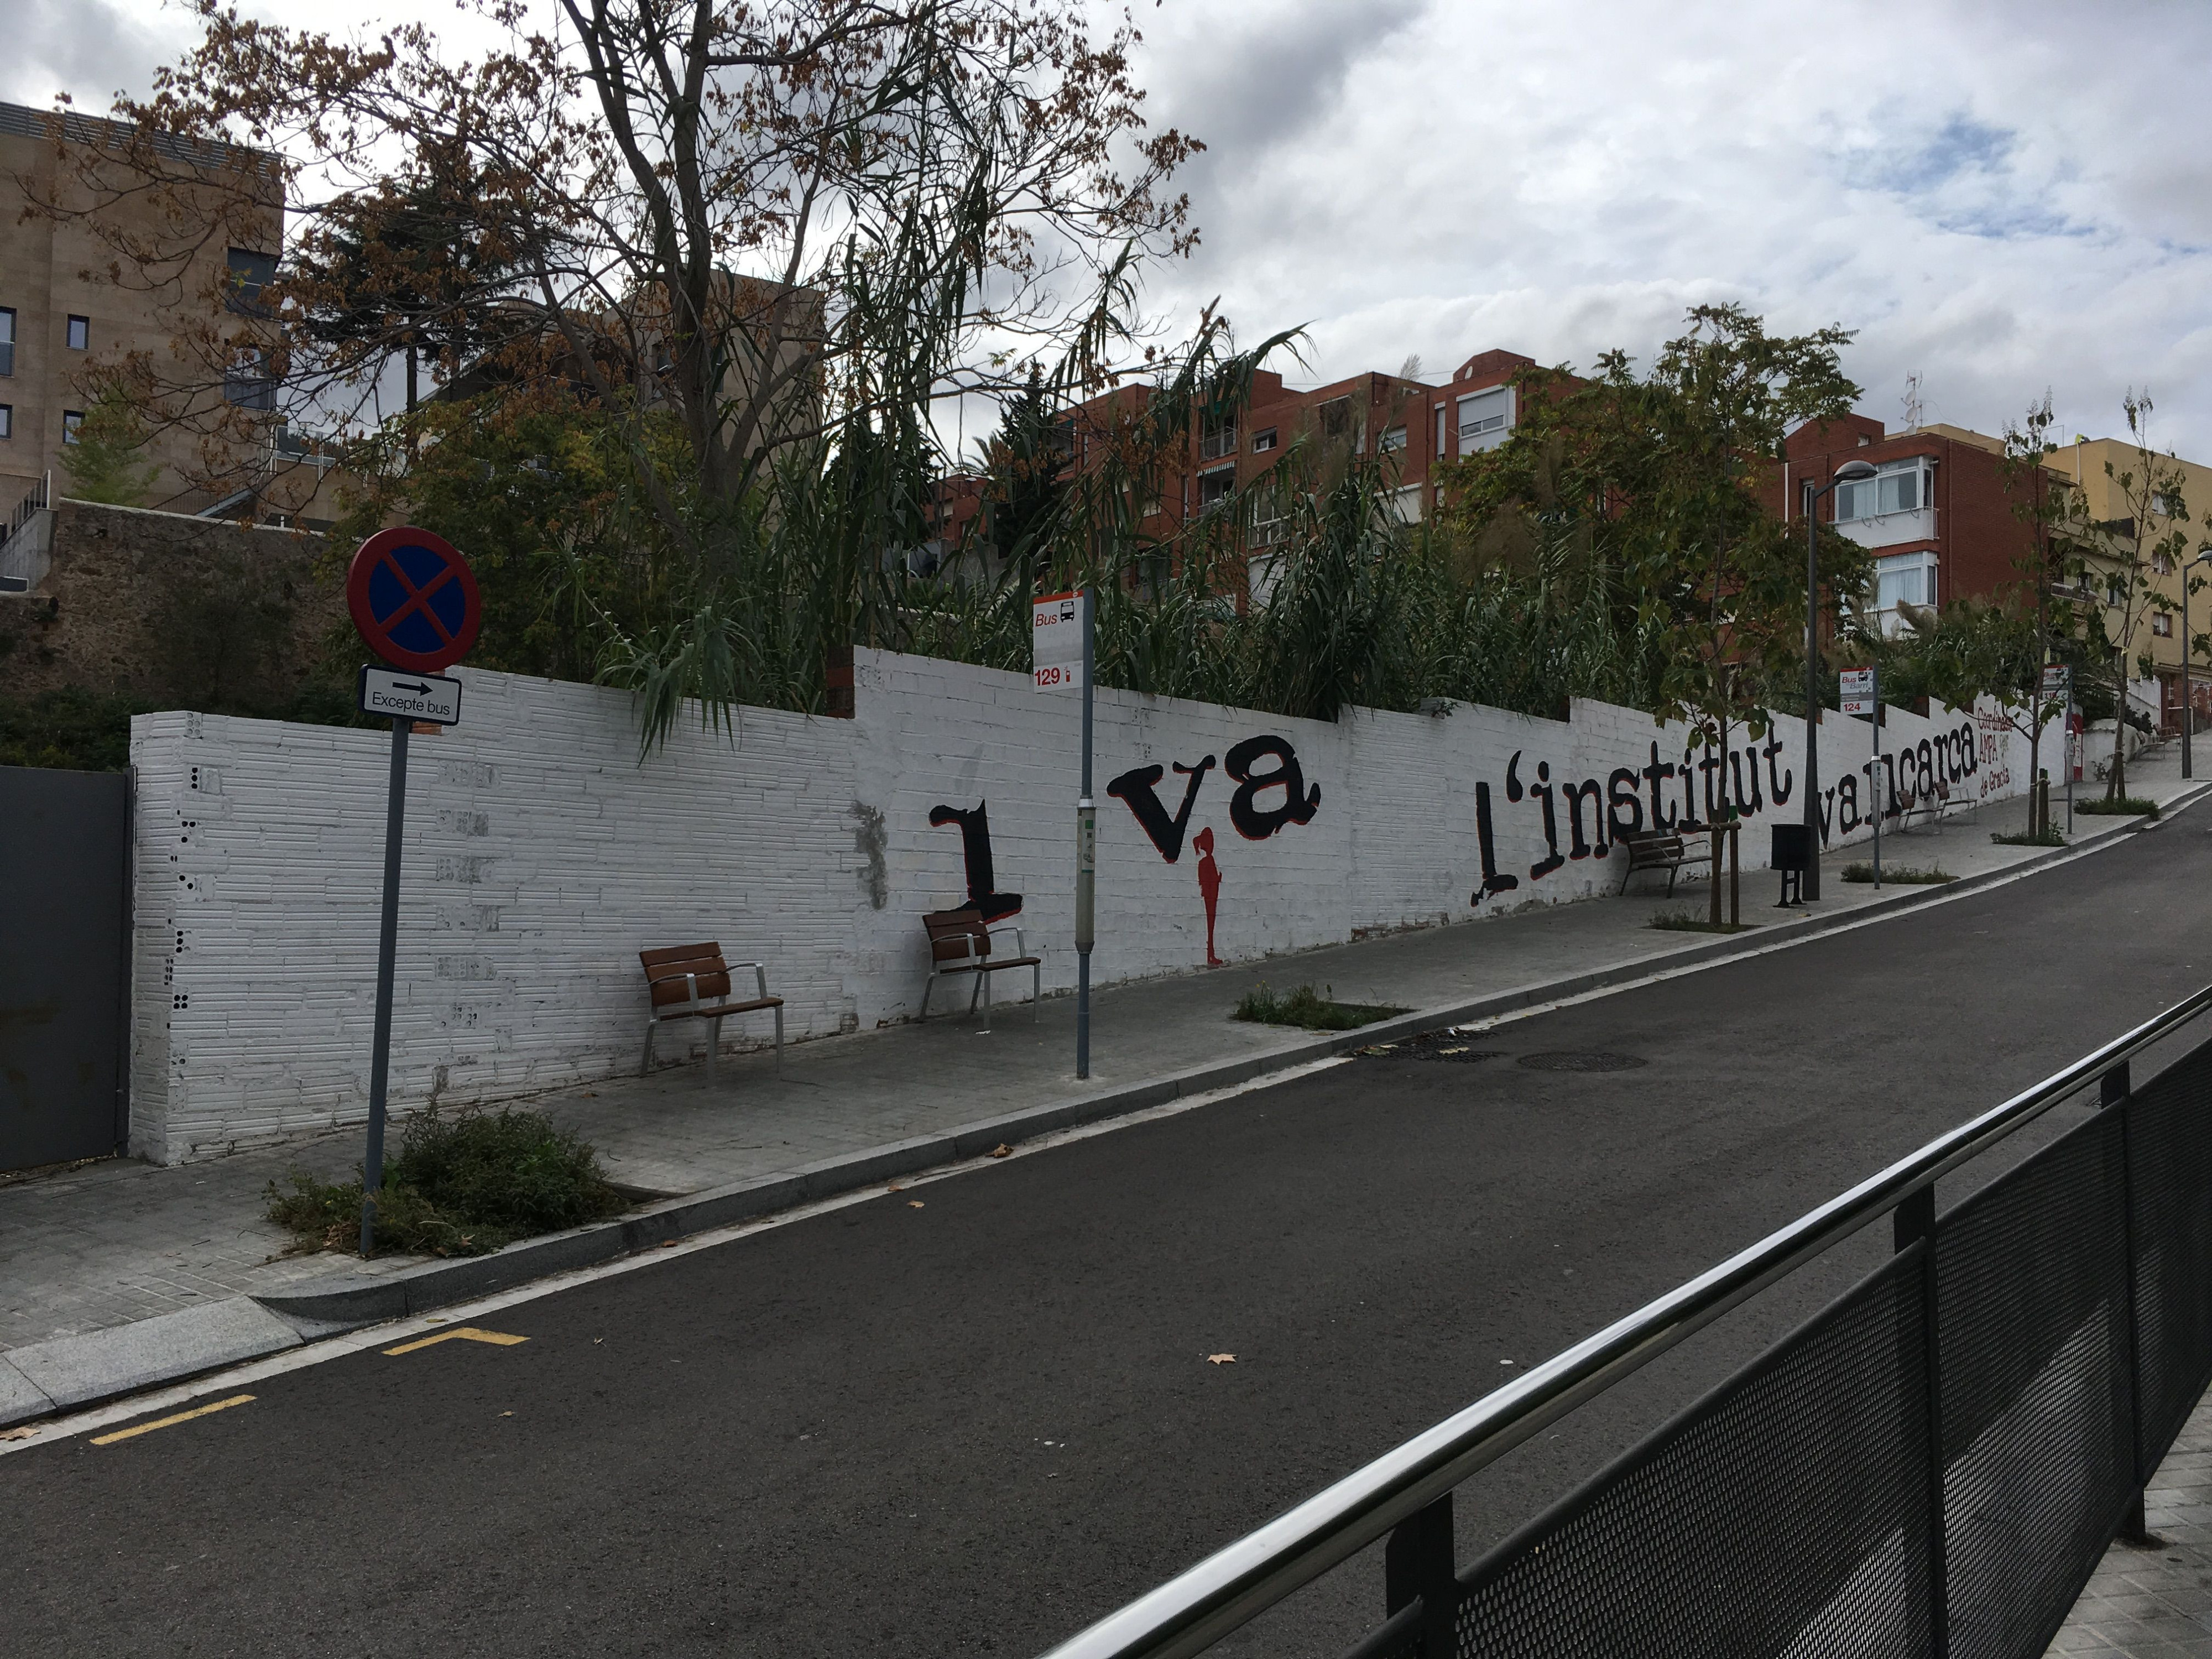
1485, 419
1392, 439
1905, 579
2160, 563
79, 333
1333, 418
7, 419
1214, 485
1406, 503
1897, 487
1216, 434
1263, 439
2161, 623
2162, 504
248, 384
7, 340
250, 272
71, 419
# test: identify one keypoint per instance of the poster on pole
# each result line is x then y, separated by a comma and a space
1857, 685
1056, 636
2057, 683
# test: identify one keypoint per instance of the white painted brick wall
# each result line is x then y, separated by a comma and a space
542, 855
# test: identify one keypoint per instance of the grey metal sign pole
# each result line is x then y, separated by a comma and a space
1874, 773
1086, 865
387, 943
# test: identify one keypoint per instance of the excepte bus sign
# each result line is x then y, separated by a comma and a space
1858, 687
1056, 638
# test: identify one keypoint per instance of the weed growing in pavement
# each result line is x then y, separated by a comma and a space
1904, 875
1306, 1007
463, 1185
1689, 921
2041, 838
2125, 806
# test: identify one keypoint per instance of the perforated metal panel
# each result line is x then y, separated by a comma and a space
2170, 1162
1785, 1513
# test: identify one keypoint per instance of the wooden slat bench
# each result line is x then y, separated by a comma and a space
692, 981
960, 943
1661, 849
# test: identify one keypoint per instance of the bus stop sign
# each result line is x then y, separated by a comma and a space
414, 599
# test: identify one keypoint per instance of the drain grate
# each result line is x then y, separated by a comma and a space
1446, 1045
1582, 1061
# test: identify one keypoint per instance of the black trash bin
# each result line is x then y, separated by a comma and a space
1792, 854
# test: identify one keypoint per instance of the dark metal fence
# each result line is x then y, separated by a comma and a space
1932, 1466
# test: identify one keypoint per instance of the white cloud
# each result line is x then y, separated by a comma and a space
2001, 195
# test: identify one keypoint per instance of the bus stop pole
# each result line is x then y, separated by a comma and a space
1086, 863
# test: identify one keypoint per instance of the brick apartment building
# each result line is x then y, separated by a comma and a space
1370, 414
60, 315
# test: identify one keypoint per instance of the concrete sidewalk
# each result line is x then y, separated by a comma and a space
92, 1254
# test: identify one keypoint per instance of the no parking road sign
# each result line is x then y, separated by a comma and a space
415, 602
414, 599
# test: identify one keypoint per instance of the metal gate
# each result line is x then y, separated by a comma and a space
64, 935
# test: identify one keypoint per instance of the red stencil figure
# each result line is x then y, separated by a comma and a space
1209, 887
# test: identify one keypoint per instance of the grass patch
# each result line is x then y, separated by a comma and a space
2043, 838
2127, 806
1694, 921
1306, 1007
1904, 875
464, 1185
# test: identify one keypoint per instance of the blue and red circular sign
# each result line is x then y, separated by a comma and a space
414, 599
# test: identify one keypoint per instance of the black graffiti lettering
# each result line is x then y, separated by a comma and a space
1847, 807
1827, 808
1492, 881
1779, 784
1624, 810
1657, 773
1542, 791
1513, 789
1749, 800
1299, 804
1929, 774
976, 852
1689, 820
1573, 795
1708, 765
1137, 789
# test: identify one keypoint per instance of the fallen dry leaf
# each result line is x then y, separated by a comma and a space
18, 1434
1002, 1151
1221, 1359
507, 1413
913, 1203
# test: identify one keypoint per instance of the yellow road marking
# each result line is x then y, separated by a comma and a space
166, 1422
498, 1339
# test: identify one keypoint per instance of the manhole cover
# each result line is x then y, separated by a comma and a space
1582, 1063
1430, 1045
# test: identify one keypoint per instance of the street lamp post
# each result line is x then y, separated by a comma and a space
1849, 472
2188, 706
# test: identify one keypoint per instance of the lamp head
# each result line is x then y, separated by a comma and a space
1853, 471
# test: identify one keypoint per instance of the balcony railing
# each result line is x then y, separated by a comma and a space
1891, 529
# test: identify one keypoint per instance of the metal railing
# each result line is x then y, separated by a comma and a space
38, 500
1406, 1494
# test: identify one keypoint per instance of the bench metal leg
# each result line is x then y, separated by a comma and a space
985, 986
714, 1046
779, 1042
927, 985
975, 989
1037, 992
645, 1064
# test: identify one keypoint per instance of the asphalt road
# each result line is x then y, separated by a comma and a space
970, 1418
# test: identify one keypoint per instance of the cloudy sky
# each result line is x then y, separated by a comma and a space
2000, 197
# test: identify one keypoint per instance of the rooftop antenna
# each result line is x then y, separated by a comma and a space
1914, 408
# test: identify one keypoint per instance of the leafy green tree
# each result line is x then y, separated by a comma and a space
106, 461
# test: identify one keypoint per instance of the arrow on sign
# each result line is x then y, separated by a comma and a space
419, 690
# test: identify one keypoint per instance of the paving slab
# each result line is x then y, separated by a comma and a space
2156, 1598
20, 1397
